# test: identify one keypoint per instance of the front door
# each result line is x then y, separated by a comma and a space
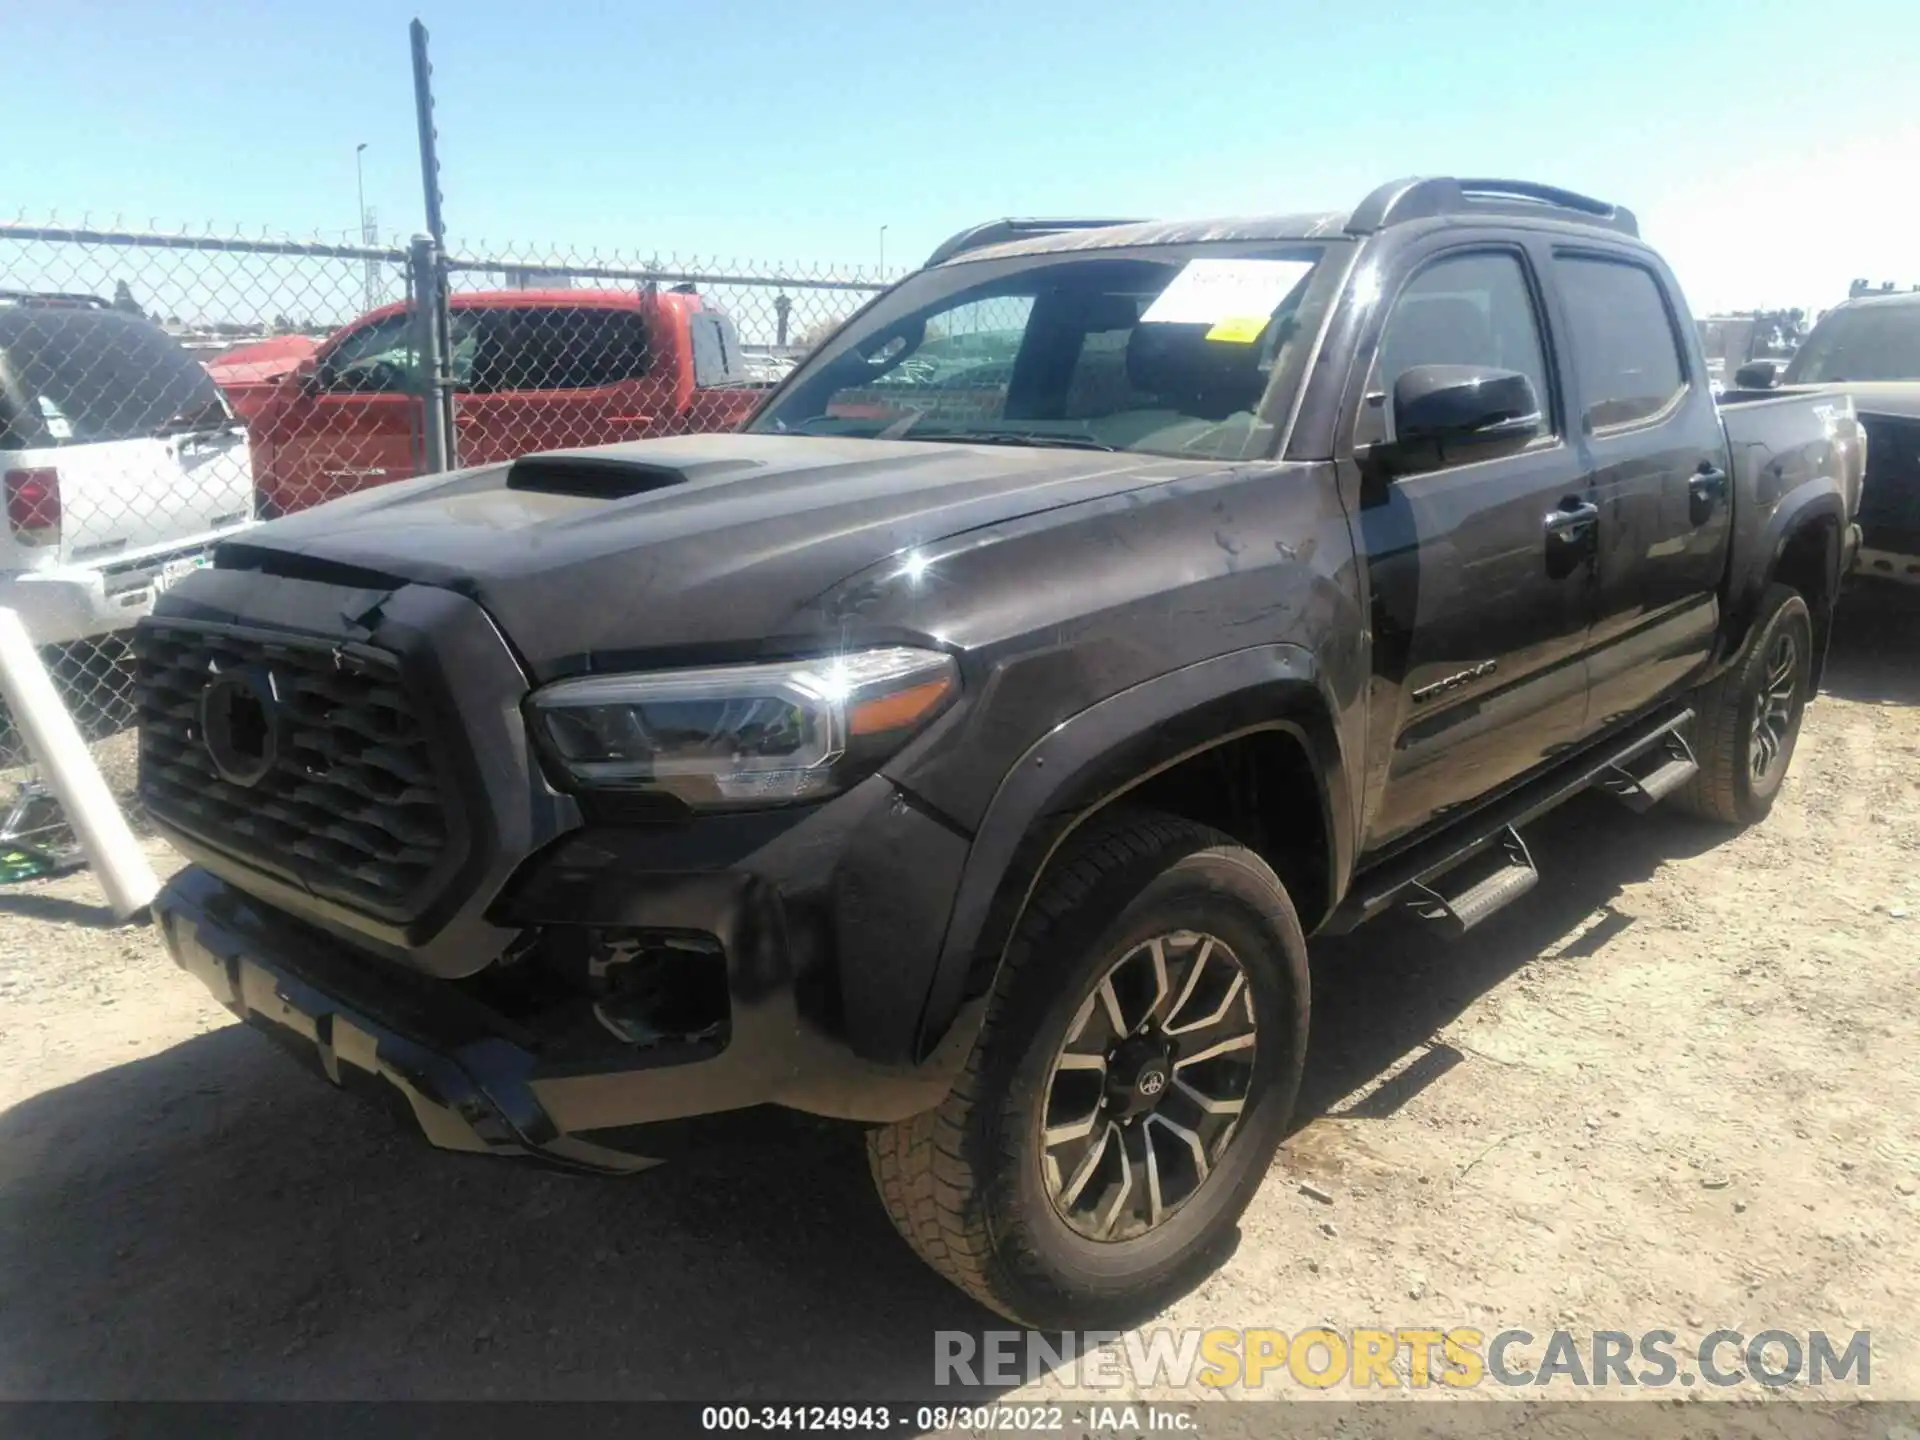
1481, 602
1660, 474
354, 422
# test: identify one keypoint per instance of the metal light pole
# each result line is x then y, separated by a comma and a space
368, 281
883, 252
428, 284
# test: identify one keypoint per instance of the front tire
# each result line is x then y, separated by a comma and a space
1748, 719
1132, 1079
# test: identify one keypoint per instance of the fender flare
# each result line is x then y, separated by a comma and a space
1086, 761
1817, 502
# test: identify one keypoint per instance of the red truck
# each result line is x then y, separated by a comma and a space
249, 374
532, 370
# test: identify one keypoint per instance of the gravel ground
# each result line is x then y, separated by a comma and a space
1674, 1087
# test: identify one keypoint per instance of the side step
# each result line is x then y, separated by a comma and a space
1642, 782
1496, 876
1649, 760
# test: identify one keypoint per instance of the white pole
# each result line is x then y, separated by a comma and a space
54, 742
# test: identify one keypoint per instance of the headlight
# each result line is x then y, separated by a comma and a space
736, 736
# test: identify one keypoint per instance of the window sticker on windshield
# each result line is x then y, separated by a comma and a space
1234, 297
1239, 330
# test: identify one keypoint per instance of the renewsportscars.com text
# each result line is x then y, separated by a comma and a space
1411, 1358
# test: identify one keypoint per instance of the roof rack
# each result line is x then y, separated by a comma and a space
1419, 199
996, 232
54, 299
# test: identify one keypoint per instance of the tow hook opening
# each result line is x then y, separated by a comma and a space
655, 988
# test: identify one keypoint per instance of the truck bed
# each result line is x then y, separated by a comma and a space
1781, 440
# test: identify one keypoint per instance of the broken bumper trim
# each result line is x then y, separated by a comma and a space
473, 1095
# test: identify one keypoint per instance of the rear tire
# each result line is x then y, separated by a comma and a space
1748, 719
1049, 1231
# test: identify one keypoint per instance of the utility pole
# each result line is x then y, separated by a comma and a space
883, 252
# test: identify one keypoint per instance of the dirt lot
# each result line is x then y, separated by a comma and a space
1675, 1087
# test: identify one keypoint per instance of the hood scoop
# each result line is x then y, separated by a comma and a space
588, 478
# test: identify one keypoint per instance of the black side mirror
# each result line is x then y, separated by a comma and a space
1757, 375
1445, 414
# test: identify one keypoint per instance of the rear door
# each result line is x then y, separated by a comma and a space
1481, 607
1647, 421
557, 377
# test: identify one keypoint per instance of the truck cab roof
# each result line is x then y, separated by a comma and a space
1395, 203
1881, 300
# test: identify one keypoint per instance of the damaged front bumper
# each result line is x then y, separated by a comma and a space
468, 1090
478, 1080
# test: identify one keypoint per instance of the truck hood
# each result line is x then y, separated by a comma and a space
598, 558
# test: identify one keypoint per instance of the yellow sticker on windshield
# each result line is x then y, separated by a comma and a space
1238, 329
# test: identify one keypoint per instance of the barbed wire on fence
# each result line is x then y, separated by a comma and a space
161, 391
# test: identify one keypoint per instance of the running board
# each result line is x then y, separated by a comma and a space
1644, 781
1396, 878
1497, 876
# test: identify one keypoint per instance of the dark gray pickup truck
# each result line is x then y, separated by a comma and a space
966, 748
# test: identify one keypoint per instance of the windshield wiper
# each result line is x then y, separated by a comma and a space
1010, 437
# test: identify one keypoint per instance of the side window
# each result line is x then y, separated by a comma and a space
1622, 337
958, 373
14, 432
377, 359
1470, 309
717, 360
566, 348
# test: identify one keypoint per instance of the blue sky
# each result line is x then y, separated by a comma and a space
1762, 143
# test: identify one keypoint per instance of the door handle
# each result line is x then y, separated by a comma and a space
1574, 520
1709, 483
1706, 488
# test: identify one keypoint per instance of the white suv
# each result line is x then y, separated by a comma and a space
120, 460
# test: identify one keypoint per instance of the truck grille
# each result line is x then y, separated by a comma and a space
347, 803
1890, 497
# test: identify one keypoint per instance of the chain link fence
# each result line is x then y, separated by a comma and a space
162, 392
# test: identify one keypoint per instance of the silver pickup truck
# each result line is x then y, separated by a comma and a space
1869, 349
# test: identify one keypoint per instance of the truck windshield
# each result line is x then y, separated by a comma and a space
1868, 342
1168, 351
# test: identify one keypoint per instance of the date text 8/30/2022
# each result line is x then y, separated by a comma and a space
923, 1419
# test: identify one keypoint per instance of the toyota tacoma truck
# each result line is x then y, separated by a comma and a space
967, 750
